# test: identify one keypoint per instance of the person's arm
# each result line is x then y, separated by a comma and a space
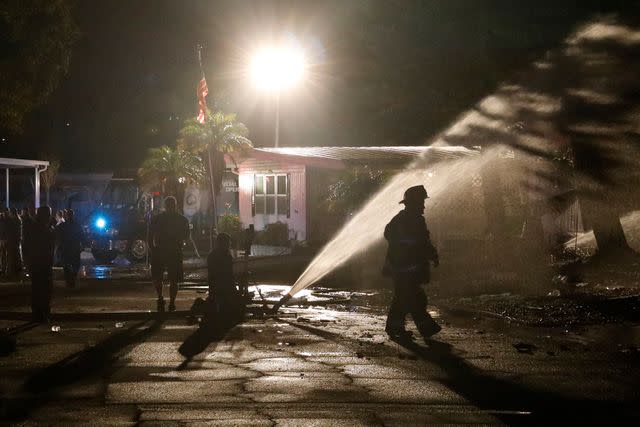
211, 272
57, 233
390, 230
52, 243
432, 252
187, 231
152, 231
83, 236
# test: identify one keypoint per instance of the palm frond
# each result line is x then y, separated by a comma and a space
164, 162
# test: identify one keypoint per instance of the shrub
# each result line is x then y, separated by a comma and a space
276, 234
230, 224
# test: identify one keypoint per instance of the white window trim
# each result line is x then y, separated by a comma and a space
274, 196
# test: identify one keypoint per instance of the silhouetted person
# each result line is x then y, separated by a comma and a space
4, 232
408, 256
13, 232
223, 308
41, 240
223, 293
249, 236
28, 223
70, 239
59, 217
169, 230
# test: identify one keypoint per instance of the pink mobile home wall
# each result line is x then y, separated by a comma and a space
297, 220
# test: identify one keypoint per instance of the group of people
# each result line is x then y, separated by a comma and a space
31, 241
408, 262
33, 237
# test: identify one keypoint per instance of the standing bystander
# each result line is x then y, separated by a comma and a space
169, 230
70, 238
13, 231
4, 231
28, 223
40, 243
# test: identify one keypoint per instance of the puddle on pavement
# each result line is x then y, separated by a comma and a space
608, 336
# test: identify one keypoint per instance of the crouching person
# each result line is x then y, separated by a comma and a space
225, 303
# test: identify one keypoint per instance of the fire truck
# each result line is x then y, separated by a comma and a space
119, 225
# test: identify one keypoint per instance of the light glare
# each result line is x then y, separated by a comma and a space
274, 69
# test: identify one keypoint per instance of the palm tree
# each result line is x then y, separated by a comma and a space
50, 175
221, 134
169, 168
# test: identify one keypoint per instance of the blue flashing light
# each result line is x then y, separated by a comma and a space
101, 222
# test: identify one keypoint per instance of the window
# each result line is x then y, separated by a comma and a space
271, 195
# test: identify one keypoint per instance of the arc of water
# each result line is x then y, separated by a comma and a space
366, 227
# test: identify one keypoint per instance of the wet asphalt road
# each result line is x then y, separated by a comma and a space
311, 366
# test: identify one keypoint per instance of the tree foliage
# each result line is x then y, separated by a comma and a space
35, 48
50, 175
353, 188
221, 134
167, 166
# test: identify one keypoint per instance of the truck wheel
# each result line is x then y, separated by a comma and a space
138, 250
103, 256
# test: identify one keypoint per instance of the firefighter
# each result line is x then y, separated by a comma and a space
409, 254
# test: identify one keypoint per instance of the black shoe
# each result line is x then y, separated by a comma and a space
172, 306
160, 305
399, 334
431, 330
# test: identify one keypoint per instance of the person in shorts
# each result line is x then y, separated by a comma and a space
169, 230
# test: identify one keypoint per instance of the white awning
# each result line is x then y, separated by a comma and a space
6, 163
37, 165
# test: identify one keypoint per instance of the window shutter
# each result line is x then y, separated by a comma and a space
288, 195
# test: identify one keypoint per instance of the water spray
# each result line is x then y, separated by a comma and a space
443, 180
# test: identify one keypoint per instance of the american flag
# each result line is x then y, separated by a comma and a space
202, 92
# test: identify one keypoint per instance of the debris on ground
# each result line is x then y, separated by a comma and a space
551, 310
7, 343
526, 348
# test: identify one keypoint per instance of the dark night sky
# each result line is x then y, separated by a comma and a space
384, 72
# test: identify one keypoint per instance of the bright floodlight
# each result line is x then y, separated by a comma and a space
277, 68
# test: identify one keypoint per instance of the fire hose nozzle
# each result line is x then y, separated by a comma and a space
285, 299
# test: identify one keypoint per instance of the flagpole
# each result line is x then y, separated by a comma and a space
210, 162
